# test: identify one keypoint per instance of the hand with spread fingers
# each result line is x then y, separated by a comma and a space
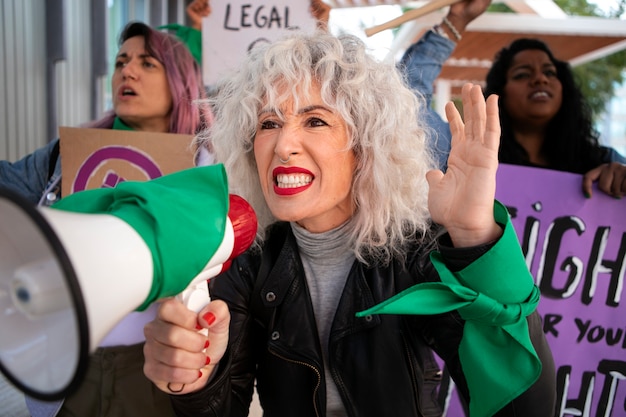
462, 199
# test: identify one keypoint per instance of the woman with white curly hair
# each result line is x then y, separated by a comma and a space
367, 259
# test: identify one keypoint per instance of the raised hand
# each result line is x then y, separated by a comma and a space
462, 199
178, 358
462, 13
196, 10
320, 11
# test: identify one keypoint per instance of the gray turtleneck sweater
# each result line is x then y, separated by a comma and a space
327, 258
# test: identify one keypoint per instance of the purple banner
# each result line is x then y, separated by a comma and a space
576, 250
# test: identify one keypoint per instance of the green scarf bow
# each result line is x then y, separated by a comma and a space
494, 298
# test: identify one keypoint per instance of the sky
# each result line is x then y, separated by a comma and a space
355, 20
605, 4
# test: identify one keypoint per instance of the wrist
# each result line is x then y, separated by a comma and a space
453, 32
458, 22
441, 31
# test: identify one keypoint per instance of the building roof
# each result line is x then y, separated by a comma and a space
576, 39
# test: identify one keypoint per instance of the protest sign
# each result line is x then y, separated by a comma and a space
236, 26
94, 158
576, 251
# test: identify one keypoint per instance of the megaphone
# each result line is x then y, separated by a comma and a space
69, 274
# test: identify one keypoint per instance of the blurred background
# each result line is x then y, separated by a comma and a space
56, 55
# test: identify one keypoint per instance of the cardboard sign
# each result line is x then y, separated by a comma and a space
95, 158
576, 250
235, 26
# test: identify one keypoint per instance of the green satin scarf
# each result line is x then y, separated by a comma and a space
180, 216
493, 295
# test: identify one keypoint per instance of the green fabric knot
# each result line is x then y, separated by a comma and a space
494, 295
484, 309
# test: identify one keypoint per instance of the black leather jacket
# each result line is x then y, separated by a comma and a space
382, 365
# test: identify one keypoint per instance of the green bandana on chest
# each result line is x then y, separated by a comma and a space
118, 124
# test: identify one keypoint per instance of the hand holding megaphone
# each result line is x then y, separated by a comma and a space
239, 235
69, 273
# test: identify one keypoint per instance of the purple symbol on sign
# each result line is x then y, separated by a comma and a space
111, 179
99, 157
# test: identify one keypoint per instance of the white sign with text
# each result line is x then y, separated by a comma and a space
235, 26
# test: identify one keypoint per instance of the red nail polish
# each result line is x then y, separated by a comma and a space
198, 327
199, 374
209, 318
208, 361
206, 344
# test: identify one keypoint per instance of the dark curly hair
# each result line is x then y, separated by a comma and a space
571, 142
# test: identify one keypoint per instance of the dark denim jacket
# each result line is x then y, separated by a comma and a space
422, 64
31, 176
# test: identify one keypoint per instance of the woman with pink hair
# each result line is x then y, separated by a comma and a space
156, 85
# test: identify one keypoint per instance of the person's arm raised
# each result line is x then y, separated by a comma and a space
196, 10
461, 14
462, 200
320, 11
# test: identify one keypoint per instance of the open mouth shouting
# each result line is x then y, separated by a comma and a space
126, 91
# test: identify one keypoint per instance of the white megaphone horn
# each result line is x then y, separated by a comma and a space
68, 277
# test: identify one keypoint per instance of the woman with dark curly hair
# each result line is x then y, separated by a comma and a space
545, 119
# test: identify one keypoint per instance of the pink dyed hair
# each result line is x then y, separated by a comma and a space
184, 77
